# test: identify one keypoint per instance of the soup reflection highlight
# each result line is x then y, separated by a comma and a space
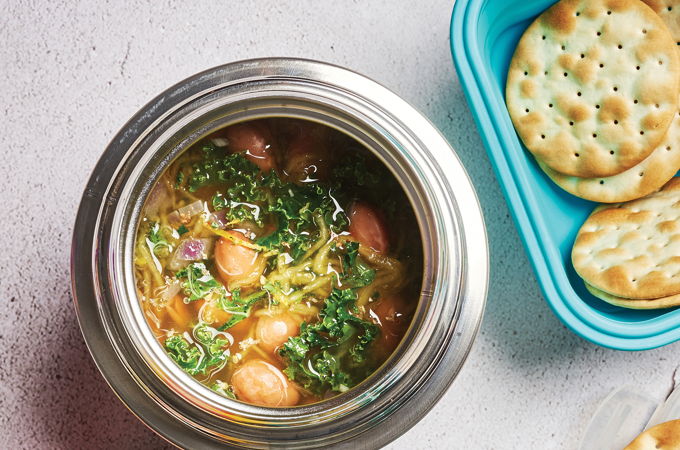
278, 262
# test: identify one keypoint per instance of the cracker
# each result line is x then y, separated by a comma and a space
665, 436
592, 85
669, 11
642, 179
649, 303
632, 249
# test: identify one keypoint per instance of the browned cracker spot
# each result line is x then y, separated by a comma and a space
632, 249
669, 11
642, 179
588, 86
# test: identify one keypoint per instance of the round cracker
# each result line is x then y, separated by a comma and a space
669, 11
632, 249
664, 436
588, 86
642, 179
650, 303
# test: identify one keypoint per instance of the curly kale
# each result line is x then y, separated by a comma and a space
246, 194
197, 282
325, 354
356, 273
207, 353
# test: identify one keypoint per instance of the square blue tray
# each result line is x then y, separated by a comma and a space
484, 34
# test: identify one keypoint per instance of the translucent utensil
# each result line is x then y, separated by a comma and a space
619, 419
670, 409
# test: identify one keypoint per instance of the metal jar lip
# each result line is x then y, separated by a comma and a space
454, 243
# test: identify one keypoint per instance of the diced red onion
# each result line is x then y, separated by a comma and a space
190, 250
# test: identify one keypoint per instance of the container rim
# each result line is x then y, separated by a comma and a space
95, 259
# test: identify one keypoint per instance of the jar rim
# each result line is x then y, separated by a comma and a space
162, 130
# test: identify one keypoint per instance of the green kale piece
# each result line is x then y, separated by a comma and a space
239, 307
182, 230
197, 282
158, 245
356, 273
238, 211
218, 167
209, 352
354, 170
224, 389
246, 194
326, 354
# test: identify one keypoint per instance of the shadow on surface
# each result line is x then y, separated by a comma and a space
72, 406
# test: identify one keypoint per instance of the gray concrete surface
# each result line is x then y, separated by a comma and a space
72, 73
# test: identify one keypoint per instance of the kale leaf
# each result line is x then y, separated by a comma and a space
209, 352
356, 273
224, 389
239, 307
326, 354
158, 245
198, 282
218, 167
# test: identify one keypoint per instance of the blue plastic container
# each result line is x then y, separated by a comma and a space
484, 34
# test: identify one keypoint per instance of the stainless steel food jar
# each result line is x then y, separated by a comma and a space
454, 246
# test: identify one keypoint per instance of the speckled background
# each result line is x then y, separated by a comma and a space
72, 73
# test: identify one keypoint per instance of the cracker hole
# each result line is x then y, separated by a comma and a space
670, 8
582, 56
526, 73
578, 13
543, 136
641, 174
635, 101
656, 106
660, 62
526, 110
601, 65
616, 88
597, 106
571, 124
577, 155
599, 33
601, 181
565, 74
641, 132
544, 38
637, 67
668, 148
550, 105
611, 152
616, 122
644, 31
564, 47
609, 13
620, 46
545, 73
594, 135
633, 280
578, 93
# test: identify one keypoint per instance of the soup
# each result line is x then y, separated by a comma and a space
278, 262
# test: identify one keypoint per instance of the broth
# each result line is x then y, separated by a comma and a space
278, 262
